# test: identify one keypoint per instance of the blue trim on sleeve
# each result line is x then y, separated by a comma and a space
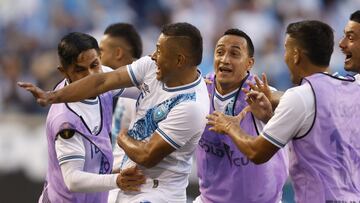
119, 93
66, 158
132, 75
90, 102
172, 142
272, 140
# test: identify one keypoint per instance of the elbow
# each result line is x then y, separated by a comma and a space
258, 158
72, 186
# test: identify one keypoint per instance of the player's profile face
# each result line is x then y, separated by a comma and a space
165, 59
290, 57
231, 59
88, 62
350, 46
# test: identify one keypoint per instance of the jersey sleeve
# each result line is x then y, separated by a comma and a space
182, 124
139, 69
70, 149
292, 117
130, 92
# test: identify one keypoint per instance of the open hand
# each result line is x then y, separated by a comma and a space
130, 179
261, 86
259, 105
222, 123
41, 96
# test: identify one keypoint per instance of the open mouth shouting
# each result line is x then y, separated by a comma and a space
225, 70
348, 57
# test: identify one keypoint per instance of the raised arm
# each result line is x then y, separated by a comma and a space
87, 87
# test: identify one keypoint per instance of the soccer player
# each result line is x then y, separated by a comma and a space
80, 155
350, 44
170, 115
226, 174
319, 117
120, 45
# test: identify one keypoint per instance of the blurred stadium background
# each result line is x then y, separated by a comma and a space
31, 29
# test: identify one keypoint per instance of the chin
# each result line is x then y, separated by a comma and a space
350, 68
158, 77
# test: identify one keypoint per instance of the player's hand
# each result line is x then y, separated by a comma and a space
130, 179
222, 123
259, 105
208, 81
261, 86
41, 96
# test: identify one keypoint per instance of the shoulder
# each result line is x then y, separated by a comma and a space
357, 77
300, 98
302, 91
145, 60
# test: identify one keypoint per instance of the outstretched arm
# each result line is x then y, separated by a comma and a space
87, 87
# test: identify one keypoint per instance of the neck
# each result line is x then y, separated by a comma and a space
312, 69
224, 88
187, 77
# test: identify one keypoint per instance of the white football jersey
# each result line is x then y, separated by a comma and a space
177, 114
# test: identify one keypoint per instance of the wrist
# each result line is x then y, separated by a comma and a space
268, 116
228, 127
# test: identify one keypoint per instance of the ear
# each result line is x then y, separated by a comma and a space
250, 63
119, 53
296, 56
181, 60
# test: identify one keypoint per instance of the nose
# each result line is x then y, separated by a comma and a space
153, 56
224, 58
342, 43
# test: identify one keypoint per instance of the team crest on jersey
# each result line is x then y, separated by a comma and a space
160, 112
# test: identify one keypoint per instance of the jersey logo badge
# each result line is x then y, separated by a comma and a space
160, 112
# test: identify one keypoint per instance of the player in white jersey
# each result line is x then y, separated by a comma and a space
170, 112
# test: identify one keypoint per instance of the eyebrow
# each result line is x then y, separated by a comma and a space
79, 66
232, 46
349, 32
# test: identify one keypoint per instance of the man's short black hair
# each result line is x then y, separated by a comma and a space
355, 16
190, 33
129, 34
316, 38
72, 44
240, 33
